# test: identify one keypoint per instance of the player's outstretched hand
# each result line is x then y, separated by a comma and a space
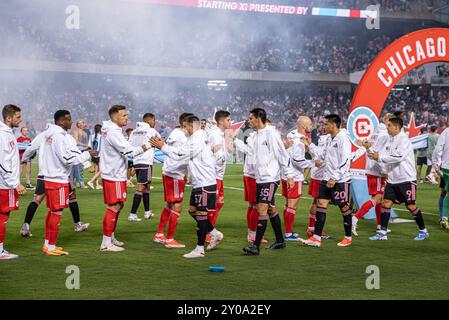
306, 141
318, 163
330, 183
157, 142
21, 190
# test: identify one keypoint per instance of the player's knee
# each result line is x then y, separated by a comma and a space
345, 209
411, 207
177, 206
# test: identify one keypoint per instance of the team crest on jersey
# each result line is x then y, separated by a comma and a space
124, 194
362, 124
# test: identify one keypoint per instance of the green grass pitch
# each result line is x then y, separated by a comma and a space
408, 269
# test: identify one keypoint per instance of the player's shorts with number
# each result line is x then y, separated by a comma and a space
266, 192
401, 192
114, 191
338, 195
293, 193
9, 200
204, 198
376, 185
57, 195
314, 187
250, 189
173, 189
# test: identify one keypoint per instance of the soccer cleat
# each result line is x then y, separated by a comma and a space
379, 228
194, 254
111, 248
277, 245
325, 236
25, 231
422, 235
251, 250
378, 236
151, 187
159, 239
215, 240
309, 233
345, 242
354, 226
91, 185
99, 187
29, 186
80, 226
312, 242
5, 255
292, 237
133, 218
444, 223
56, 252
148, 214
45, 248
129, 184
117, 243
173, 244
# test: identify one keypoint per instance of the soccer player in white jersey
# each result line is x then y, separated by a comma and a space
174, 174
202, 172
143, 165
57, 156
249, 182
399, 160
39, 192
10, 187
297, 152
440, 160
375, 176
271, 159
336, 180
216, 136
113, 166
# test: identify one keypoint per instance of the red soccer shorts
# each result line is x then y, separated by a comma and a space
376, 185
114, 191
57, 195
293, 193
173, 189
314, 186
9, 200
250, 189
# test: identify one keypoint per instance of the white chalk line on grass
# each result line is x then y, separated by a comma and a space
309, 198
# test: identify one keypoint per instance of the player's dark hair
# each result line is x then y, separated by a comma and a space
115, 109
21, 130
259, 113
433, 128
9, 110
60, 114
397, 122
398, 114
148, 115
334, 118
192, 118
221, 114
129, 130
183, 117
204, 120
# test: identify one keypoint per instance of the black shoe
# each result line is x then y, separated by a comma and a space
251, 250
277, 245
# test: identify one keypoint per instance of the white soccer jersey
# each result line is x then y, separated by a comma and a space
297, 153
114, 152
337, 156
58, 154
399, 159
271, 156
373, 167
440, 155
201, 159
217, 138
140, 136
317, 173
249, 166
9, 158
175, 169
